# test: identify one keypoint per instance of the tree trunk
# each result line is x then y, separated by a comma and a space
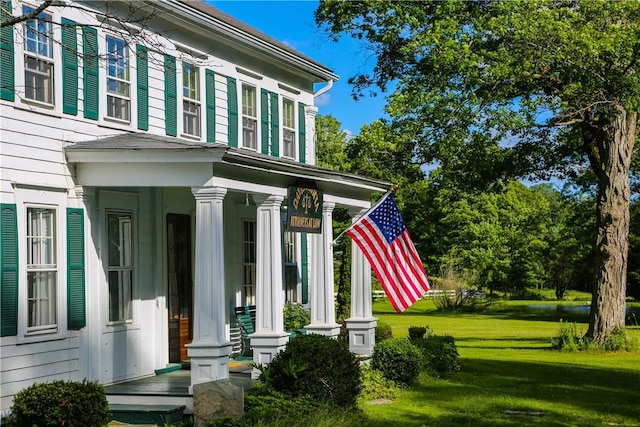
610, 145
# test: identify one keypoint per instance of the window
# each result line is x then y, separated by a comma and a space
118, 84
290, 267
249, 117
289, 131
38, 58
249, 260
42, 271
120, 266
191, 99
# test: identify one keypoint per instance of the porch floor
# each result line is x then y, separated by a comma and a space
175, 383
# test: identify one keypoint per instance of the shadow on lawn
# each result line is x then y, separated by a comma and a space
513, 393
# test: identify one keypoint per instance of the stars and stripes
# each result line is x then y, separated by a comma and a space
385, 242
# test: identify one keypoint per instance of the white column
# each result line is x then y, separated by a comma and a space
361, 325
323, 312
310, 112
209, 351
269, 338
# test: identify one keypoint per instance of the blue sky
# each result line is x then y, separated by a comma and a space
292, 23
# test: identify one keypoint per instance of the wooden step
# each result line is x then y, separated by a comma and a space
147, 414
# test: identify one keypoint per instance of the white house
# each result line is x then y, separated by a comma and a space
157, 158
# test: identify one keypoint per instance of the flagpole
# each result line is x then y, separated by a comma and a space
387, 194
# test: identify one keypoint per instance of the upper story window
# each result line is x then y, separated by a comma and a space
38, 58
191, 99
289, 128
118, 80
249, 117
42, 271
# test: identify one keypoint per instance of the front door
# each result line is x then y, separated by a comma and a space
180, 286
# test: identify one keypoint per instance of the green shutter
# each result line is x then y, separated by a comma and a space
302, 133
264, 120
76, 305
90, 65
275, 125
70, 67
304, 269
7, 68
170, 96
210, 83
142, 71
232, 105
9, 270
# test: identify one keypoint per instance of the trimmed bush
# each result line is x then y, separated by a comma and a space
383, 331
295, 317
316, 366
417, 332
61, 403
398, 360
440, 353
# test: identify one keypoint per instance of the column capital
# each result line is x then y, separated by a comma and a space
311, 110
83, 191
209, 192
328, 206
268, 199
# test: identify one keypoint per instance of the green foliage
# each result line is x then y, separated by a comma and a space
295, 317
316, 366
440, 354
376, 386
383, 331
398, 360
418, 332
569, 338
58, 403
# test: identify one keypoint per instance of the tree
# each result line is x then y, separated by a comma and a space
495, 89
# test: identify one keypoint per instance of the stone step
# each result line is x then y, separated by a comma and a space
155, 415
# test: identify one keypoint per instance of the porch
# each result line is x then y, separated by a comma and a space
164, 398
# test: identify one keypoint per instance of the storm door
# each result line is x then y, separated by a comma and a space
180, 286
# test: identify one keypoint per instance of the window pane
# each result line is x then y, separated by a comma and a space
38, 79
249, 101
41, 299
119, 235
249, 132
191, 112
118, 108
190, 86
288, 142
38, 37
288, 119
120, 266
249, 256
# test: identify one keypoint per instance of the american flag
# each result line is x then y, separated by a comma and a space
385, 242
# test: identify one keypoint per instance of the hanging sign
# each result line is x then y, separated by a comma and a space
304, 211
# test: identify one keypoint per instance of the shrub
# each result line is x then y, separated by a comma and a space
316, 366
417, 332
295, 317
398, 360
376, 386
440, 354
383, 331
68, 403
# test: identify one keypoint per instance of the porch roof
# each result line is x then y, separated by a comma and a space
228, 162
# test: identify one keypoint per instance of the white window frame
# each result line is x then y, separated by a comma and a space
124, 267
124, 81
40, 58
246, 118
192, 102
56, 200
289, 126
249, 253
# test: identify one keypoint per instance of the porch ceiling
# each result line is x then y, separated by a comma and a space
153, 160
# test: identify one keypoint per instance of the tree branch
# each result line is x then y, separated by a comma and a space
27, 16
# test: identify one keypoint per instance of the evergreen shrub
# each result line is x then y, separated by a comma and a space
316, 366
440, 354
383, 331
417, 332
60, 403
398, 360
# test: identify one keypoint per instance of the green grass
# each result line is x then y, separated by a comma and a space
510, 375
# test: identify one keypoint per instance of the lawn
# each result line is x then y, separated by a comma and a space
510, 375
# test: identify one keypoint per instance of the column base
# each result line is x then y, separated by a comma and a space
209, 362
362, 335
265, 347
331, 330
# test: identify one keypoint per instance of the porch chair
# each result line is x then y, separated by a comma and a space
246, 320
